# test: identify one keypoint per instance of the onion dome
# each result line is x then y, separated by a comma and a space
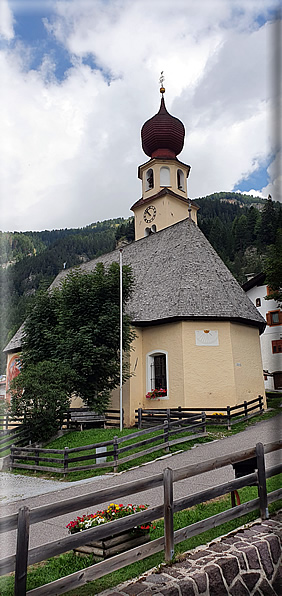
162, 135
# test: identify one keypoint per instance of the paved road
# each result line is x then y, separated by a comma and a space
265, 432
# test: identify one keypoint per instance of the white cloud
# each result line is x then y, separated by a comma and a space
6, 21
72, 147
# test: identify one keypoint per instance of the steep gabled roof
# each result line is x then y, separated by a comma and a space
178, 275
15, 343
163, 192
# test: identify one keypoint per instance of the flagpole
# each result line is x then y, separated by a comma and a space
120, 345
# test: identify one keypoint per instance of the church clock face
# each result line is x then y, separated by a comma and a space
150, 213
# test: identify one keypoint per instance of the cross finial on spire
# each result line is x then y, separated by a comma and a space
162, 89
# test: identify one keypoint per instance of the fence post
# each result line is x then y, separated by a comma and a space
66, 462
245, 409
22, 552
139, 417
260, 403
262, 492
7, 421
12, 457
228, 418
204, 421
168, 417
168, 513
166, 436
36, 456
115, 454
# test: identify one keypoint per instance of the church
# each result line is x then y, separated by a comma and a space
197, 333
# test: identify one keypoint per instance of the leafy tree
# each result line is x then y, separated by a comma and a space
41, 395
273, 269
75, 329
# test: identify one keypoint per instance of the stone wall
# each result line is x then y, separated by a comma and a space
246, 562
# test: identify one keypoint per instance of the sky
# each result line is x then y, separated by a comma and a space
80, 77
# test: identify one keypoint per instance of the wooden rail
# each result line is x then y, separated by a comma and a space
24, 518
217, 415
8, 423
166, 435
14, 436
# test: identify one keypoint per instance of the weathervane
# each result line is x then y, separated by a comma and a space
162, 89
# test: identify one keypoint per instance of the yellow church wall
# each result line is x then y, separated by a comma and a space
208, 370
167, 338
247, 361
198, 375
169, 211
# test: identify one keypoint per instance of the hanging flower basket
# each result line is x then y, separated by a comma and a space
112, 545
156, 394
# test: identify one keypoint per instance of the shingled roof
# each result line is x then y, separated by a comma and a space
15, 343
178, 275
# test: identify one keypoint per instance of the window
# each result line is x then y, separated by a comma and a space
258, 302
274, 317
157, 371
149, 179
164, 176
180, 180
277, 346
151, 230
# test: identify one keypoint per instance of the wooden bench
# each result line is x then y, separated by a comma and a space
85, 418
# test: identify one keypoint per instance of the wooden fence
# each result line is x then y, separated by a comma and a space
110, 453
14, 436
25, 517
228, 416
8, 423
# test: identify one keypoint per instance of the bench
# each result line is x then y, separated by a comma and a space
82, 418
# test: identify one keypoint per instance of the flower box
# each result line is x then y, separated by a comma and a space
112, 545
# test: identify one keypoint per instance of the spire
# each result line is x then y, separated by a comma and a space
162, 89
163, 135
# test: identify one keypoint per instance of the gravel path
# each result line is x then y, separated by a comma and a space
33, 492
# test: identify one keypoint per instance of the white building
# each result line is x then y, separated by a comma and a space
271, 339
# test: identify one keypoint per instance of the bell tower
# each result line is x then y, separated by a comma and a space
164, 198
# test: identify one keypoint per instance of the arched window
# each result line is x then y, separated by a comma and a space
180, 180
149, 179
147, 232
153, 228
157, 371
164, 176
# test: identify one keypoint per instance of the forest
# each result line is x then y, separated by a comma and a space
242, 229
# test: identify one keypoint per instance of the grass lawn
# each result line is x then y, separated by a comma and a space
67, 563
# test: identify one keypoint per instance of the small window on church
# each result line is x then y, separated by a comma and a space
157, 375
164, 176
153, 228
149, 179
147, 232
258, 302
180, 180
